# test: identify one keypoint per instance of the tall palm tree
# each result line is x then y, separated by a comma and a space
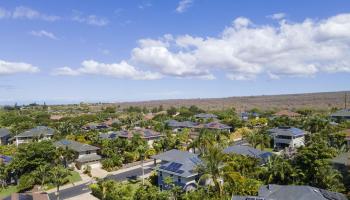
64, 156
42, 173
212, 166
142, 150
59, 176
278, 170
263, 141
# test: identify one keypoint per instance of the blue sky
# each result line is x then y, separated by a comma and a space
72, 51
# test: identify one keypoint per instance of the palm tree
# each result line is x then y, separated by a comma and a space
142, 150
3, 175
42, 173
64, 156
252, 138
212, 167
263, 141
278, 170
59, 176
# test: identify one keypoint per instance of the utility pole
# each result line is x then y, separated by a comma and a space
345, 100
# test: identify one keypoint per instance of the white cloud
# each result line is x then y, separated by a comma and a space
43, 33
184, 5
277, 16
118, 70
89, 19
4, 13
16, 67
245, 50
23, 12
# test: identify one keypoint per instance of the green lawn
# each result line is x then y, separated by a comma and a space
8, 191
75, 177
265, 149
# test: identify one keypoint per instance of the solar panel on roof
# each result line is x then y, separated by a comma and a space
195, 160
180, 171
173, 167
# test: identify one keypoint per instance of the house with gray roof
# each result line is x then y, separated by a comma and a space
287, 137
146, 134
341, 115
292, 192
4, 136
248, 151
39, 133
217, 126
180, 166
109, 135
206, 116
85, 154
178, 126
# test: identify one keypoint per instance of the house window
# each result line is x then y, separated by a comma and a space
161, 174
88, 152
179, 179
171, 175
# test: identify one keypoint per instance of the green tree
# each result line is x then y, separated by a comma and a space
59, 176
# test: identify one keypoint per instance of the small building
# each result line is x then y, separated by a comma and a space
147, 134
263, 156
178, 126
341, 115
292, 192
39, 133
109, 135
85, 154
287, 137
216, 126
206, 116
287, 113
180, 166
95, 126
4, 136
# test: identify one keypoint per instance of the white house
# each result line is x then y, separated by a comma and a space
287, 137
39, 133
85, 154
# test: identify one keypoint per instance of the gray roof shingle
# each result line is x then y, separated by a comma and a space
288, 131
75, 146
293, 192
341, 113
37, 132
4, 132
187, 162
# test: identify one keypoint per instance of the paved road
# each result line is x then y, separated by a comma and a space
72, 192
84, 188
132, 174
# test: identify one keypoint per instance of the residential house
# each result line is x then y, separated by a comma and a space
178, 126
180, 166
287, 113
85, 154
111, 121
248, 151
292, 192
4, 136
109, 135
341, 115
286, 136
95, 126
206, 116
147, 134
246, 115
216, 126
39, 133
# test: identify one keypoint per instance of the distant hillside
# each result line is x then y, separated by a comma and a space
323, 100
